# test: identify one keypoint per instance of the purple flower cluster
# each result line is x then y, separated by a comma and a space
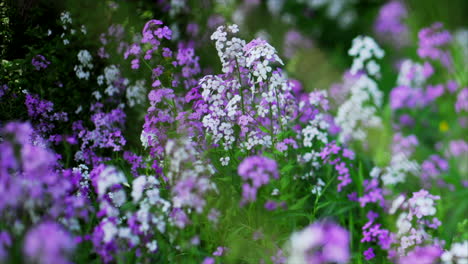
431, 40
3, 90
390, 26
330, 154
42, 112
106, 134
36, 187
256, 171
39, 62
425, 255
462, 101
48, 242
433, 167
294, 41
372, 231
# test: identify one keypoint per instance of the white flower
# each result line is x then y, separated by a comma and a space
363, 49
224, 161
275, 192
396, 204
110, 231
152, 246
138, 186
85, 58
458, 254
109, 177
65, 17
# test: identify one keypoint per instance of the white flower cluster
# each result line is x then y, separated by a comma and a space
65, 18
186, 171
400, 165
136, 94
229, 50
147, 138
85, 59
418, 214
109, 177
225, 161
313, 158
317, 189
363, 50
359, 112
255, 139
411, 74
85, 180
278, 85
316, 129
458, 254
111, 76
228, 100
218, 122
259, 55
66, 22
145, 193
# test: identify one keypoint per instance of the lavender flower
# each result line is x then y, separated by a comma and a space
54, 249
320, 242
256, 171
462, 101
39, 62
369, 254
424, 255
431, 42
389, 24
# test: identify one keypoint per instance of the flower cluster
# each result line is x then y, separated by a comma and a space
413, 222
359, 112
390, 26
256, 171
320, 242
250, 94
85, 59
431, 40
39, 62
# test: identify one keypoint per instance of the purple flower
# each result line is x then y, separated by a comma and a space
433, 167
156, 96
458, 148
270, 205
48, 243
369, 254
462, 101
163, 32
5, 242
279, 258
208, 260
294, 41
39, 62
422, 255
257, 171
431, 40
3, 89
389, 24
372, 193
220, 251
320, 242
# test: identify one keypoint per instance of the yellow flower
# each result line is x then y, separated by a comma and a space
443, 126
